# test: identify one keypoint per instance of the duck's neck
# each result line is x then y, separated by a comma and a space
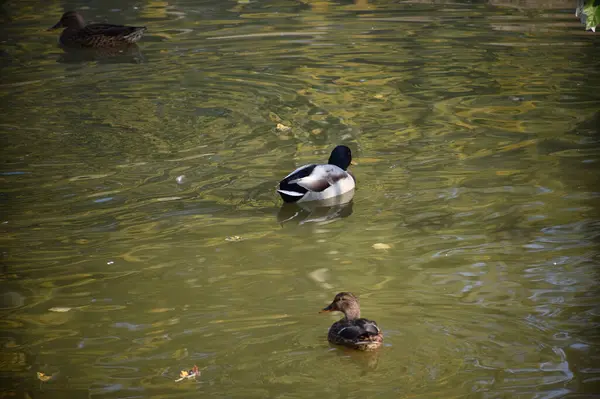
352, 313
76, 25
74, 22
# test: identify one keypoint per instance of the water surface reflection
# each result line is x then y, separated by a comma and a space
473, 231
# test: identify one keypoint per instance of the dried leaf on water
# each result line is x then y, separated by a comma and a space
59, 309
282, 128
188, 374
43, 377
160, 310
381, 245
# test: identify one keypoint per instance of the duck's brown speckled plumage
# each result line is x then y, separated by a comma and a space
352, 331
77, 34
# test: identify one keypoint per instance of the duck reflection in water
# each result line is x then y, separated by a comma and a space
366, 361
126, 54
321, 212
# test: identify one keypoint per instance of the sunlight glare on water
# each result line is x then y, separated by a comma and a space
142, 234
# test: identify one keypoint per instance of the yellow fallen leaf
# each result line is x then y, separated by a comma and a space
282, 128
381, 245
59, 309
159, 310
43, 377
184, 374
506, 172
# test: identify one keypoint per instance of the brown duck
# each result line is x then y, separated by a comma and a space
352, 331
77, 34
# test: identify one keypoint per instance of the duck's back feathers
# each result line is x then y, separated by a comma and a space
102, 35
358, 329
320, 178
113, 30
360, 334
299, 173
355, 330
289, 190
315, 183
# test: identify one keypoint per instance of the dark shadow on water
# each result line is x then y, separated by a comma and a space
130, 54
317, 211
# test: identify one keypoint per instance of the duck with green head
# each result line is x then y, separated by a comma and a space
352, 331
77, 34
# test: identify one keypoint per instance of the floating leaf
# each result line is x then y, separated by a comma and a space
160, 310
187, 374
59, 309
282, 128
381, 245
43, 377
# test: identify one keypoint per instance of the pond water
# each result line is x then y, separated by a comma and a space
472, 238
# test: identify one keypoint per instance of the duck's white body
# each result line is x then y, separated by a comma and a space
319, 182
322, 182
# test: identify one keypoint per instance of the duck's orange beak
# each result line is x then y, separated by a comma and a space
56, 25
327, 309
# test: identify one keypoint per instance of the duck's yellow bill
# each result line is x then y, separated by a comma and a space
326, 310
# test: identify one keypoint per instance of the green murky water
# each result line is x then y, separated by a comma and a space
472, 238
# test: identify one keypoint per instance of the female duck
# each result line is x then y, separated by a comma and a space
78, 34
352, 330
319, 182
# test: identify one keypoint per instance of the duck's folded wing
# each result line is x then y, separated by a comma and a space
110, 29
361, 328
321, 178
291, 191
302, 171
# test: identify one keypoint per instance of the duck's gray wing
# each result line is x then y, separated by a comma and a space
320, 178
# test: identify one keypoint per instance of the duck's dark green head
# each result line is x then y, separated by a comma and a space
341, 156
70, 19
346, 303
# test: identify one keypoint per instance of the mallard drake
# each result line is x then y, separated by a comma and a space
319, 182
78, 34
352, 331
